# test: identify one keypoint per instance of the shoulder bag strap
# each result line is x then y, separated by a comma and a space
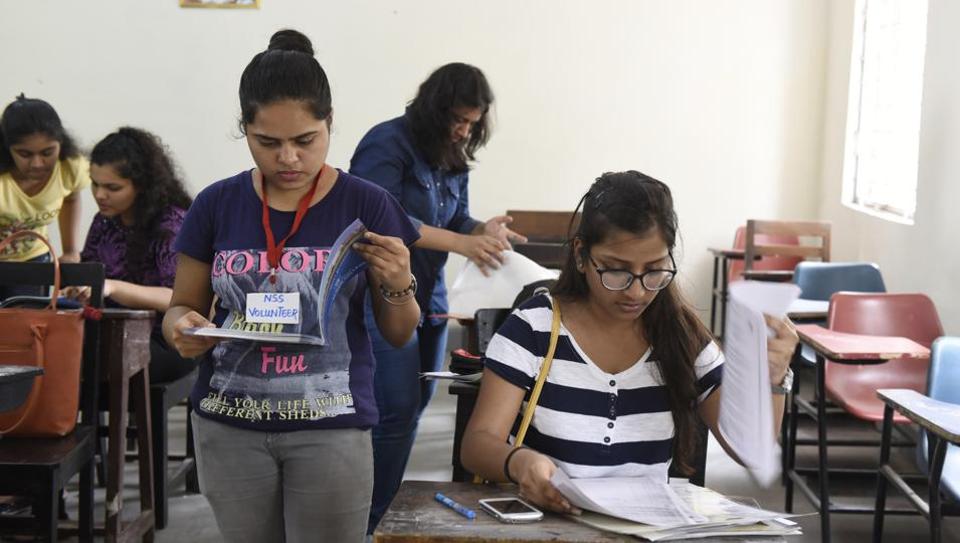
544, 370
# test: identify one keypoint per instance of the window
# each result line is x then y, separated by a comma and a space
883, 113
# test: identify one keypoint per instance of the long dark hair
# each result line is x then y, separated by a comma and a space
285, 71
431, 115
142, 158
639, 204
27, 116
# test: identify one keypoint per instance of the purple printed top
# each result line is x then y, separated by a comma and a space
107, 243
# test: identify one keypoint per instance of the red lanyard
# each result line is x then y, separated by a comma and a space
273, 248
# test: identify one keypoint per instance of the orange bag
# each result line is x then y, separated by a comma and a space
51, 339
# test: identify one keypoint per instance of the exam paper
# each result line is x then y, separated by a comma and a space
471, 290
638, 499
746, 410
725, 517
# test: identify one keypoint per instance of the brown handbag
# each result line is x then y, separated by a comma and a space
51, 339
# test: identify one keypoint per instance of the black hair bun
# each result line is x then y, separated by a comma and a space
290, 40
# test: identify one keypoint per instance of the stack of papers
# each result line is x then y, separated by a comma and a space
657, 511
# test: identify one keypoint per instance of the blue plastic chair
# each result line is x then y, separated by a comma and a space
943, 383
819, 280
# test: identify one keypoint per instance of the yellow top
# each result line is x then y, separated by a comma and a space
21, 212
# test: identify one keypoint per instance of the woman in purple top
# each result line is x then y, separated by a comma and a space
142, 204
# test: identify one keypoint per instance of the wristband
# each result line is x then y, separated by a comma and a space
506, 465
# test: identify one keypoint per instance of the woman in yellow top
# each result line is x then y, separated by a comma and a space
41, 176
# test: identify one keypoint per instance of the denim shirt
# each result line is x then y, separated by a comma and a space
387, 156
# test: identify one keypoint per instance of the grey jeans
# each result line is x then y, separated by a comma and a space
285, 487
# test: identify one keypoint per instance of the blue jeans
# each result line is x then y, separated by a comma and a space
401, 397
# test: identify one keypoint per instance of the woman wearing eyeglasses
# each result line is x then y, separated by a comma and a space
633, 369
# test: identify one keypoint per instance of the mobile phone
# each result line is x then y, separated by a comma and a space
512, 510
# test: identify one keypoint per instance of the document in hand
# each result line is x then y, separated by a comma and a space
340, 266
746, 410
472, 290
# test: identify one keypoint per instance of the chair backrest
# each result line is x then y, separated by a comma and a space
487, 321
943, 381
755, 246
773, 262
910, 315
819, 280
543, 226
547, 233
87, 274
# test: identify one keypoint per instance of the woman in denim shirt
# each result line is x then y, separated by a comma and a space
422, 158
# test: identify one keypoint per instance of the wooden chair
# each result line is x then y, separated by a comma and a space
41, 467
547, 233
756, 246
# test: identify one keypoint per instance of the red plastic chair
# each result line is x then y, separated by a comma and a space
785, 263
854, 388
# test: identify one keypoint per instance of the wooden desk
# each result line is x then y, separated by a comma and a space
845, 349
125, 357
414, 516
941, 420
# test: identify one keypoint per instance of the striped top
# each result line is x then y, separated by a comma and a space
590, 422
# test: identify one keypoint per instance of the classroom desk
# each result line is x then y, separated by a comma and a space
941, 420
845, 349
414, 516
125, 357
802, 310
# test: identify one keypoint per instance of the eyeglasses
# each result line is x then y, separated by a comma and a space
652, 280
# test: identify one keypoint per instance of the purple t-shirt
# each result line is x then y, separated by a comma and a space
107, 243
282, 387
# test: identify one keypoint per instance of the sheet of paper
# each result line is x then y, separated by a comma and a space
471, 290
638, 499
746, 410
266, 337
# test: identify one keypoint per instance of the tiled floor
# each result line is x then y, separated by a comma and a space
192, 520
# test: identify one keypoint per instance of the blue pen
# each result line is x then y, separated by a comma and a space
469, 513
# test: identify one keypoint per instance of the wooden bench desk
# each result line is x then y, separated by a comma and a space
125, 358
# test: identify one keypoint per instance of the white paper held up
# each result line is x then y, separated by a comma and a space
746, 409
472, 290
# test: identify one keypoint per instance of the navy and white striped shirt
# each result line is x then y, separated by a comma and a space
590, 422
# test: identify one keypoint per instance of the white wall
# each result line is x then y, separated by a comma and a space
721, 99
922, 257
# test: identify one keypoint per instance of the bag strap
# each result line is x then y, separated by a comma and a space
541, 378
53, 255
